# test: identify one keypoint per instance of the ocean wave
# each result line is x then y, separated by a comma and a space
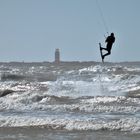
35, 77
5, 92
81, 98
6, 77
21, 101
71, 124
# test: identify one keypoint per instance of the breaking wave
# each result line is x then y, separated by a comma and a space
76, 97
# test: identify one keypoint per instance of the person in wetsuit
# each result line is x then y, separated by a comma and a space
109, 40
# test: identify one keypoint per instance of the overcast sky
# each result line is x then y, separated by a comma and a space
31, 30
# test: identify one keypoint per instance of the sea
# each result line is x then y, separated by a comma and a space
70, 101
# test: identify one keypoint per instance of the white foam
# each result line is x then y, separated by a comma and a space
53, 122
34, 100
96, 68
74, 89
88, 102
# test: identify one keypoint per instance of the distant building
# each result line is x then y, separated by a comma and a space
57, 56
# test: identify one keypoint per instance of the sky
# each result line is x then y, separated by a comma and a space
31, 30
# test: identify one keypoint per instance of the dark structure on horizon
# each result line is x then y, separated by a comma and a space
57, 56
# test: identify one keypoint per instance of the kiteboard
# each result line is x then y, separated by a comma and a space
101, 52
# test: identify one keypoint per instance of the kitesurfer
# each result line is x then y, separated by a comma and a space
109, 40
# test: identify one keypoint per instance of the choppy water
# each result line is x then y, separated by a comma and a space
71, 97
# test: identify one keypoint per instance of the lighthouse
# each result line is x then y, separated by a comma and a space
57, 56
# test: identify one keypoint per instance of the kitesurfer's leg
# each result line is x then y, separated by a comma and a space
108, 53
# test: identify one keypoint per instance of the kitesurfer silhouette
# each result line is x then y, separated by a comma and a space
109, 40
